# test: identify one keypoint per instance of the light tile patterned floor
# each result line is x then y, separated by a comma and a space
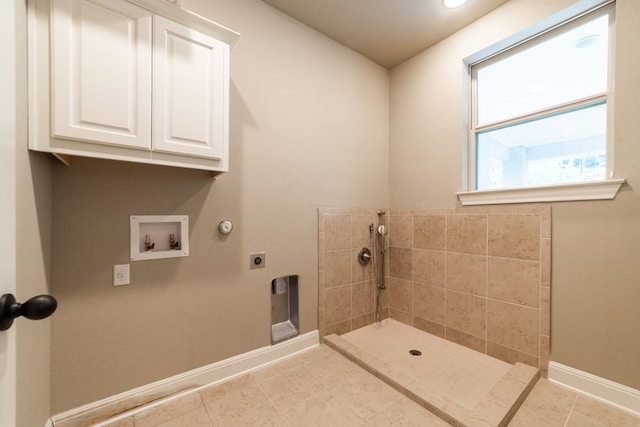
322, 388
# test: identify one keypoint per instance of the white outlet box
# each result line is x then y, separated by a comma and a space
120, 274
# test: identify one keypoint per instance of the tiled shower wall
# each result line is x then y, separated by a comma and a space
475, 276
346, 288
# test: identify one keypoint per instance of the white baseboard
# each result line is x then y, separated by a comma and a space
93, 413
618, 395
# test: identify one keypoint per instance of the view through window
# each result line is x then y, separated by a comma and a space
539, 110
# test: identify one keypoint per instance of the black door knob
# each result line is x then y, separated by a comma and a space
35, 308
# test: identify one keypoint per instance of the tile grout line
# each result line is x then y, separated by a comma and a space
575, 400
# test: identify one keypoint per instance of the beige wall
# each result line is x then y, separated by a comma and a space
309, 128
596, 245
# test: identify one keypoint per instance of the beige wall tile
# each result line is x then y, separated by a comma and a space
433, 328
467, 234
545, 262
545, 348
466, 313
360, 321
400, 294
337, 268
429, 267
401, 316
545, 223
337, 304
401, 231
469, 341
467, 273
513, 326
338, 328
400, 263
545, 311
510, 355
359, 272
362, 301
418, 276
514, 280
429, 232
514, 236
429, 303
360, 235
337, 232
384, 294
488, 209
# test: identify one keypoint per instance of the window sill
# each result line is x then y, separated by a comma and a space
599, 190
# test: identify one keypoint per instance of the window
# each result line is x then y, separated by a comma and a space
540, 107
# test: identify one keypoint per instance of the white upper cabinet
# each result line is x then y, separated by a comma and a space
101, 72
134, 80
188, 91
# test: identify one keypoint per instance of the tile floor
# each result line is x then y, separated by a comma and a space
462, 386
322, 388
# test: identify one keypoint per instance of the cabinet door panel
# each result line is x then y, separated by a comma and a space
190, 91
101, 72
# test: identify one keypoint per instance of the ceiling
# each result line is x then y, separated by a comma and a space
386, 31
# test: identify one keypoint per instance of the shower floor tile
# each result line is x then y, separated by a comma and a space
462, 386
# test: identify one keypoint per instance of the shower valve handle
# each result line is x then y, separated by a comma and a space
364, 256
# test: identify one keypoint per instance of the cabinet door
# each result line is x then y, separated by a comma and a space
101, 72
190, 92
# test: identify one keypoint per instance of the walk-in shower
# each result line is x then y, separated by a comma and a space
420, 257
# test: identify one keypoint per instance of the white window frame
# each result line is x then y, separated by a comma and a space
596, 190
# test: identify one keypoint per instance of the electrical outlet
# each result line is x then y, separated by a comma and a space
257, 260
120, 274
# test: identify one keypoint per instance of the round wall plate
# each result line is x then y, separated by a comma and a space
225, 226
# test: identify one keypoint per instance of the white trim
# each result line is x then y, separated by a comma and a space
614, 394
10, 38
598, 190
516, 41
129, 402
189, 19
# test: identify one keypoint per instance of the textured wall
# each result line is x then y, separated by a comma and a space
596, 245
308, 128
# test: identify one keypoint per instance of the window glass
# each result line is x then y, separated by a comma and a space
540, 108
572, 65
566, 147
